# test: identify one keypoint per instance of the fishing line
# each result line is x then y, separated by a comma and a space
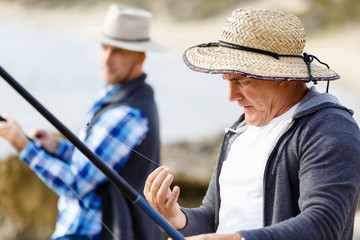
38, 144
117, 140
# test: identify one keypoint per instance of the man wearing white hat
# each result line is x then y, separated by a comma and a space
289, 167
123, 118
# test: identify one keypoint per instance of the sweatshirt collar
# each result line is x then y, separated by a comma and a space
314, 101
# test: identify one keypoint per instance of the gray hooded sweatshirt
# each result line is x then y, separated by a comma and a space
311, 180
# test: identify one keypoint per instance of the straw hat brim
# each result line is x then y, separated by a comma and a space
214, 59
137, 46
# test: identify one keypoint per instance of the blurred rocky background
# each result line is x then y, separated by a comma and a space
28, 207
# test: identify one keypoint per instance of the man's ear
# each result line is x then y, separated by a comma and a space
142, 57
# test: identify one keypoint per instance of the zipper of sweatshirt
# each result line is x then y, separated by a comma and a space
228, 134
224, 149
282, 135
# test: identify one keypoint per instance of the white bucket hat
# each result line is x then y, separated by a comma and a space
126, 27
259, 44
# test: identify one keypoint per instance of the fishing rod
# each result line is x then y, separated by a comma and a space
130, 193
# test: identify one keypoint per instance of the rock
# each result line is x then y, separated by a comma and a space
27, 207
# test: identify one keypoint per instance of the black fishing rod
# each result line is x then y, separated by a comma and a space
129, 192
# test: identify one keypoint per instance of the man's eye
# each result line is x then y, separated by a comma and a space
242, 83
116, 51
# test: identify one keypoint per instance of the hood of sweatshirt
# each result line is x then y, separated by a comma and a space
315, 101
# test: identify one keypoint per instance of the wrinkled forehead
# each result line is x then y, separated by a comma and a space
234, 77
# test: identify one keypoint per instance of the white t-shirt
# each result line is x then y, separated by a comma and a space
241, 177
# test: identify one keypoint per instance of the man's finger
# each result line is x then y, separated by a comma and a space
159, 179
150, 179
174, 196
164, 192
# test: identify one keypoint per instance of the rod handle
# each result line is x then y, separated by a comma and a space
157, 218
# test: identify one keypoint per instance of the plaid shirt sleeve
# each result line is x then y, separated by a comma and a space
112, 137
65, 150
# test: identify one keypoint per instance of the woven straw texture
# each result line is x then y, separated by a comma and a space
268, 30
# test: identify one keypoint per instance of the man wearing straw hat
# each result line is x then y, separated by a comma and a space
289, 167
123, 118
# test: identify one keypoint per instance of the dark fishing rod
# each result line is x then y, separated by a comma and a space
130, 193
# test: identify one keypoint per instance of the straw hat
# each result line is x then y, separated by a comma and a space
259, 44
126, 27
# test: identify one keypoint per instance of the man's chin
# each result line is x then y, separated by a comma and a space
112, 80
250, 119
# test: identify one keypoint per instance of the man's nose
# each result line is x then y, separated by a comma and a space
234, 92
106, 56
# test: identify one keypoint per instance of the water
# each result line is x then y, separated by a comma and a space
62, 72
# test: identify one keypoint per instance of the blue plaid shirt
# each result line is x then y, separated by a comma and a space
74, 178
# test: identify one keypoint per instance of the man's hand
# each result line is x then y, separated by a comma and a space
214, 236
12, 132
159, 195
47, 141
